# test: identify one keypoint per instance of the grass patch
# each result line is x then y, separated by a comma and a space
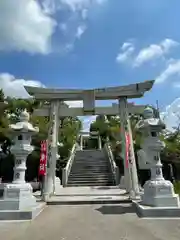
177, 187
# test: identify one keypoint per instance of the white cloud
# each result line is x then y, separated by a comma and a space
28, 25
171, 115
75, 104
63, 27
84, 13
80, 30
24, 26
75, 24
173, 68
176, 84
126, 45
126, 52
76, 5
14, 87
154, 51
86, 120
147, 54
167, 44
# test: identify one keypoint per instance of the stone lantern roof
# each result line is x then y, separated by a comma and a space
23, 125
149, 121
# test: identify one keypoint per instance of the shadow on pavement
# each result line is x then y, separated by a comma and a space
115, 209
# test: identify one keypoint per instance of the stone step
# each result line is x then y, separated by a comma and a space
91, 164
58, 200
86, 172
83, 157
92, 160
96, 155
90, 181
89, 195
90, 150
84, 160
90, 169
90, 174
90, 184
89, 178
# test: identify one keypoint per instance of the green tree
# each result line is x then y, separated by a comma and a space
68, 130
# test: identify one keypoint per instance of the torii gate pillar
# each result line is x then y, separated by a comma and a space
130, 170
49, 186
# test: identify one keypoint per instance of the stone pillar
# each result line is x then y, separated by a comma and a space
52, 150
99, 142
81, 142
130, 172
56, 180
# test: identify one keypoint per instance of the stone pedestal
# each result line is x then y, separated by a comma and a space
160, 194
17, 197
158, 200
58, 185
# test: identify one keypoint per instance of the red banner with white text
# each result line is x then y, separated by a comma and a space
43, 159
127, 149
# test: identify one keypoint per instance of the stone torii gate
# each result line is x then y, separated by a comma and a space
57, 109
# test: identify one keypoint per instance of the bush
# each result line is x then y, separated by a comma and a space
177, 187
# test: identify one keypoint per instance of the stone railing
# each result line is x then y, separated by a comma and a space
114, 167
67, 169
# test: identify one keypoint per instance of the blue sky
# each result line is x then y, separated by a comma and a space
92, 43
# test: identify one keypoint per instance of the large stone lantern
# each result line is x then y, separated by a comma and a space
159, 198
18, 197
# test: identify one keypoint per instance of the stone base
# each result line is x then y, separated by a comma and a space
57, 182
168, 201
57, 186
156, 212
2, 186
160, 193
17, 197
22, 215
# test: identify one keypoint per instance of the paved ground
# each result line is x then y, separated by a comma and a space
95, 222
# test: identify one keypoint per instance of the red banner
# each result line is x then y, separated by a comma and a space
127, 149
43, 159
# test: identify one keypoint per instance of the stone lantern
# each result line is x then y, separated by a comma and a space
18, 197
158, 198
56, 180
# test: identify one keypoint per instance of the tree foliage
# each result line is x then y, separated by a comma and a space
110, 126
68, 130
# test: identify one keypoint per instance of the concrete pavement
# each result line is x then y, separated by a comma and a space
91, 222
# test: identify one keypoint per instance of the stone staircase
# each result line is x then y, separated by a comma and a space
91, 168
